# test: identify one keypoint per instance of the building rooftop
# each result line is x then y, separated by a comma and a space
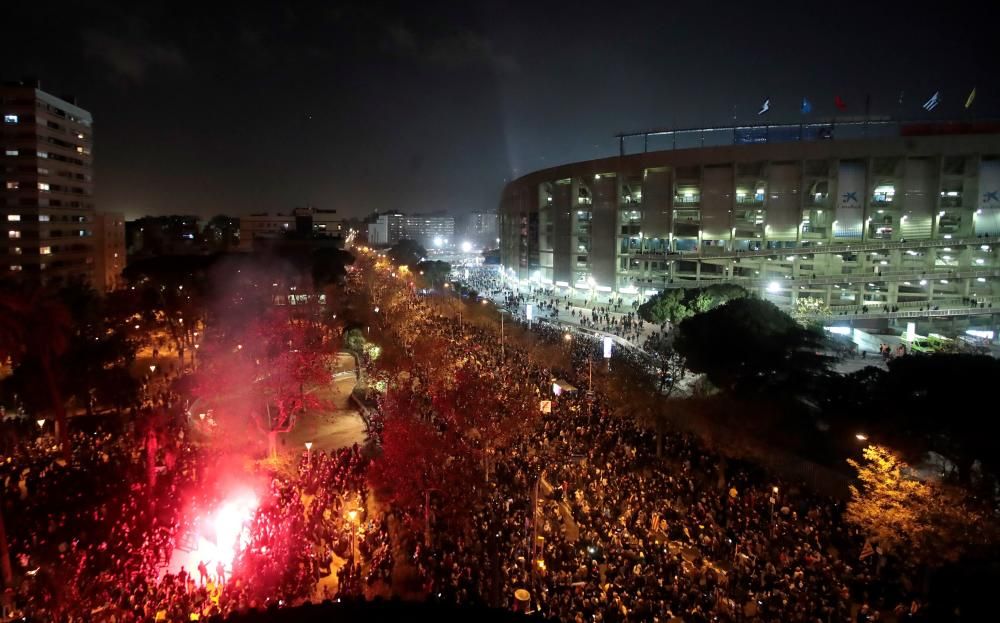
846, 128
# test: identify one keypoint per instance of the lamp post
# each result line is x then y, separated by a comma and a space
774, 498
41, 424
309, 447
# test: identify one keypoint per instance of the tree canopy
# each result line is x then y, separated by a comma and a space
921, 520
676, 304
749, 345
434, 272
407, 253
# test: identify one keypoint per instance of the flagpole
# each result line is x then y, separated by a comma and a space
868, 115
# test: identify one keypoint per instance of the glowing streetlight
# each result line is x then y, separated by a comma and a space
861, 437
41, 423
309, 448
466, 247
352, 515
152, 368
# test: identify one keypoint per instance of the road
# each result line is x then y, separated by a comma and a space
338, 424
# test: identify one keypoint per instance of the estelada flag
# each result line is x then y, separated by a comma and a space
866, 551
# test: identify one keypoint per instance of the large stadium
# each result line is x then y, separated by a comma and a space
865, 221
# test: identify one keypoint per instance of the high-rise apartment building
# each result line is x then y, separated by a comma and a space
46, 199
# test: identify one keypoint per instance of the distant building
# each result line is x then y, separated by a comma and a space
386, 230
47, 188
221, 233
163, 235
301, 222
109, 251
481, 229
429, 230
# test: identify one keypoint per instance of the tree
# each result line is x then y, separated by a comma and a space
748, 345
329, 265
922, 521
722, 293
808, 306
407, 253
36, 328
677, 304
667, 305
434, 272
909, 402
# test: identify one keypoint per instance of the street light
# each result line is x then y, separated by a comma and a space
861, 437
352, 515
152, 368
309, 447
41, 423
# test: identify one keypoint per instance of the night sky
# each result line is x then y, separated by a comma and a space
233, 108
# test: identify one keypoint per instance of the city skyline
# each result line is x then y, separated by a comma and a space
365, 107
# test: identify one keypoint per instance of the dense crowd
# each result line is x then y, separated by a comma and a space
92, 534
583, 515
578, 510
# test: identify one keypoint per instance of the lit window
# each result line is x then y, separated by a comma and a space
15, 267
12, 185
43, 218
42, 171
43, 186
45, 250
10, 118
15, 250
13, 217
43, 154
10, 152
13, 234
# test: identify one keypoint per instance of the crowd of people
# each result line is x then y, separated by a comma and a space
576, 508
95, 534
583, 515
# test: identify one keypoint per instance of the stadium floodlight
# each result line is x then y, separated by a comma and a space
774, 287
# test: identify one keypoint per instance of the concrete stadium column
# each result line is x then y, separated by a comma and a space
697, 265
892, 292
930, 290
829, 295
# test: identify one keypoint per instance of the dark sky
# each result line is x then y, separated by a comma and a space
218, 107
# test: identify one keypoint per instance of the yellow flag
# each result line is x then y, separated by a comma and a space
972, 96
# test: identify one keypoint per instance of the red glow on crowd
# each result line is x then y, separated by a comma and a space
219, 535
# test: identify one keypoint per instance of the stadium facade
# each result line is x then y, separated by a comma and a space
894, 217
